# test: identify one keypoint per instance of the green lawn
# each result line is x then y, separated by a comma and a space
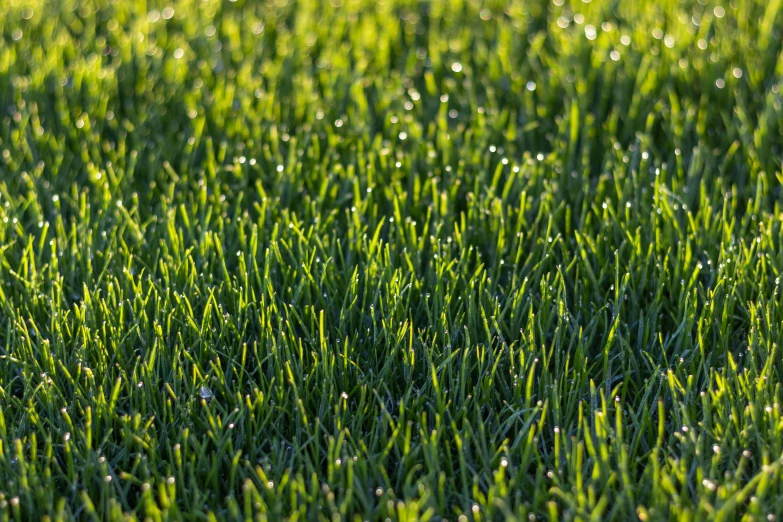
347, 260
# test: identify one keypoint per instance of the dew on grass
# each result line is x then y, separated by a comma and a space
205, 393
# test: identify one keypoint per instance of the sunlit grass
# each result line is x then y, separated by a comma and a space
359, 260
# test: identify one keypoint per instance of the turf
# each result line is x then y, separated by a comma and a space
393, 260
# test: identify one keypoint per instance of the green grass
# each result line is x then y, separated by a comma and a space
399, 260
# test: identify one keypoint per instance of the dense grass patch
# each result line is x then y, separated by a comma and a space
367, 260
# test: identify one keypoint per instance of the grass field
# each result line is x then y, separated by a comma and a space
391, 260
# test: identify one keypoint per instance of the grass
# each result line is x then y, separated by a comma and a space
399, 260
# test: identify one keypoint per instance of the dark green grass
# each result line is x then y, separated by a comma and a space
391, 260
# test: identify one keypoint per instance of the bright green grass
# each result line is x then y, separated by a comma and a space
391, 260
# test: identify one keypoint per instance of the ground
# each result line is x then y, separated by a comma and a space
391, 260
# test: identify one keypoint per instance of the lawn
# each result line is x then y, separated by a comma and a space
348, 260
